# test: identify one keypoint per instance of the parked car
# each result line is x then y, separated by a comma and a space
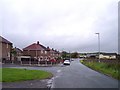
66, 62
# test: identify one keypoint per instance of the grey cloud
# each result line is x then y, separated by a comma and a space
61, 25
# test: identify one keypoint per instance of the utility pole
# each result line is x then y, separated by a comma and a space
70, 55
98, 45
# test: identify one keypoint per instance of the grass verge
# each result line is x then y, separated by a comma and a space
14, 74
105, 68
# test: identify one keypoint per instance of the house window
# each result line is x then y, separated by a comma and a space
45, 52
7, 45
8, 54
41, 51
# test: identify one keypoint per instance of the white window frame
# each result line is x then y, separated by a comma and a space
7, 45
41, 51
45, 52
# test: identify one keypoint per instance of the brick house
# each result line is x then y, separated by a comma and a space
53, 54
36, 50
16, 52
5, 47
56, 53
40, 52
19, 52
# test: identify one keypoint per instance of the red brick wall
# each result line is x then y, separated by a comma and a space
6, 50
33, 54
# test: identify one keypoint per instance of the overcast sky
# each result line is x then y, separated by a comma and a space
61, 24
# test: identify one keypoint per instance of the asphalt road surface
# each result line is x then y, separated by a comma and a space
75, 75
79, 76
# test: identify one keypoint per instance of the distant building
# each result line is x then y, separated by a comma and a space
91, 55
15, 53
82, 55
52, 54
18, 51
5, 47
102, 55
108, 56
57, 53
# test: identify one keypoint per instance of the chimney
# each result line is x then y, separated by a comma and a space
37, 42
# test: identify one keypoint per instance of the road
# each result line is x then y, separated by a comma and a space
79, 76
76, 76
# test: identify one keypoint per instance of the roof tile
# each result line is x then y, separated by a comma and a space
35, 46
4, 40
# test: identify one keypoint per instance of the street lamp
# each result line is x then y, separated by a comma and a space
98, 45
69, 55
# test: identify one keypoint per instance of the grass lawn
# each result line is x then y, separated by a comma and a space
0, 74
106, 68
14, 74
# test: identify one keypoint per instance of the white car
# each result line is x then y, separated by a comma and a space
66, 62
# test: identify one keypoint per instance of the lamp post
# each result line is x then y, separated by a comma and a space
98, 45
69, 55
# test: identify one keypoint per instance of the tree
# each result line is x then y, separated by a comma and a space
64, 54
14, 53
74, 55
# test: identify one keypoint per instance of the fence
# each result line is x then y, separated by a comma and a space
27, 61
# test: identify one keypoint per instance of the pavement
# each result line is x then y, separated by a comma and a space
75, 75
26, 84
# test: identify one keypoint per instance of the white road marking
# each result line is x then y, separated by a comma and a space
49, 82
58, 71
